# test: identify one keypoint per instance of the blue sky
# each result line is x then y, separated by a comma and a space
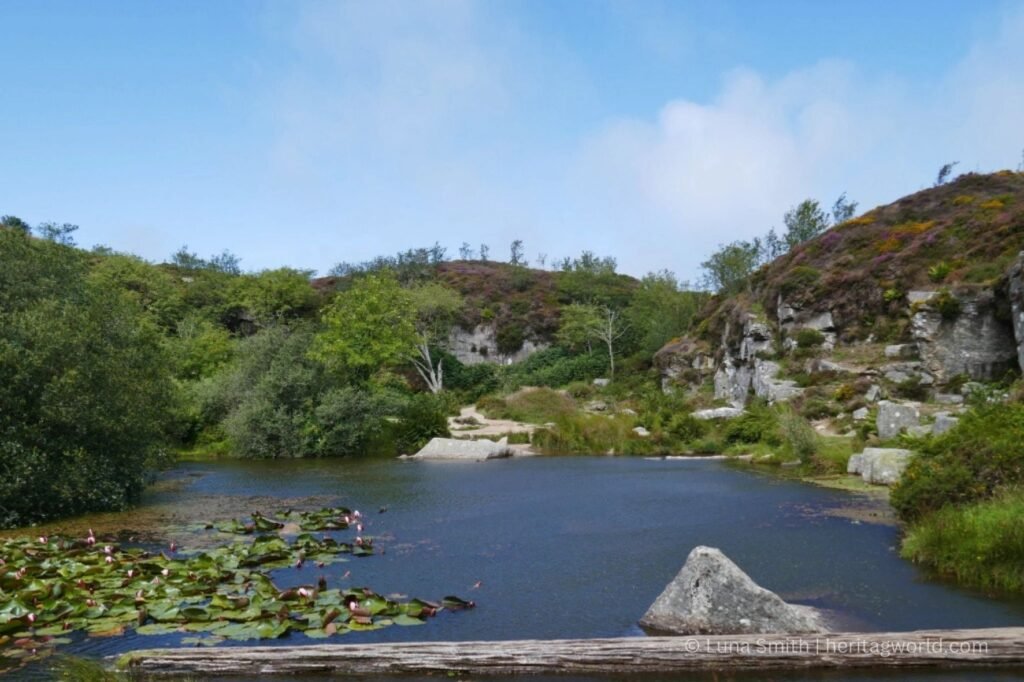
304, 134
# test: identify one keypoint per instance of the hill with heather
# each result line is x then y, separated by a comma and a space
919, 289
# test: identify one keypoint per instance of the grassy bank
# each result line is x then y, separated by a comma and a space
980, 545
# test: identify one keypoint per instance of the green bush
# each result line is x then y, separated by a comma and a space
800, 278
939, 272
556, 367
759, 424
809, 338
686, 428
510, 338
798, 436
980, 544
585, 434
85, 387
947, 304
421, 418
981, 454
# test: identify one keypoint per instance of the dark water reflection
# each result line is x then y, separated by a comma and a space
579, 547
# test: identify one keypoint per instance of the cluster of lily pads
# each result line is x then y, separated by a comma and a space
51, 587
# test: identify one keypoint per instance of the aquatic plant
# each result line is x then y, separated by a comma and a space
51, 587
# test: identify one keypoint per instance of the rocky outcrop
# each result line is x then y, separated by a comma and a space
1015, 286
894, 418
684, 362
479, 345
712, 596
880, 466
767, 385
455, 448
793, 318
972, 341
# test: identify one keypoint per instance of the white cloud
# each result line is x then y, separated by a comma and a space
701, 174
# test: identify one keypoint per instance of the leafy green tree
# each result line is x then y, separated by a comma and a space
85, 387
517, 256
155, 289
576, 328
728, 269
277, 295
13, 222
368, 328
661, 309
435, 308
843, 209
60, 234
200, 347
804, 221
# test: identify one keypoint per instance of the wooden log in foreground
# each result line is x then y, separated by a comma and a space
986, 647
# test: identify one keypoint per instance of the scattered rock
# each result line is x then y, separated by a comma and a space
602, 382
949, 399
873, 393
641, 431
626, 410
712, 596
944, 421
901, 351
919, 431
861, 414
893, 418
596, 406
880, 466
718, 413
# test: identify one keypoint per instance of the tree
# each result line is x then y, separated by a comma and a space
804, 221
435, 307
542, 260
59, 234
576, 326
516, 255
367, 328
85, 387
661, 308
945, 172
728, 269
843, 209
276, 295
13, 222
465, 251
609, 329
484, 252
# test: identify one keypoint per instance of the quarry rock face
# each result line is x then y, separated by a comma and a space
975, 341
1016, 290
479, 345
711, 595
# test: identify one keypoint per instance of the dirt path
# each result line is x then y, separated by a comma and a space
463, 426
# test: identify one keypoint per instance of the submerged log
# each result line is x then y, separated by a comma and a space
984, 647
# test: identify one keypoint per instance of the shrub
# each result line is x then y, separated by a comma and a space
420, 419
982, 453
510, 338
947, 304
963, 200
585, 434
809, 338
534, 405
798, 436
686, 428
939, 272
800, 278
758, 424
981, 544
813, 407
892, 294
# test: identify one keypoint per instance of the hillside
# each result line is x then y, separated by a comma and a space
511, 311
914, 293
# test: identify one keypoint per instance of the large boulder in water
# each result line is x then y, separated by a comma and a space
712, 596
455, 448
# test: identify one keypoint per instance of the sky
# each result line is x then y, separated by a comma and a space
304, 134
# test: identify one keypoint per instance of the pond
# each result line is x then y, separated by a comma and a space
568, 547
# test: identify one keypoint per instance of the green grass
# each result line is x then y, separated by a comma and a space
534, 406
589, 434
980, 545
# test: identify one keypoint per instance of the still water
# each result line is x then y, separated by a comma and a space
581, 546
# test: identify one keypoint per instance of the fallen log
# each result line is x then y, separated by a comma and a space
982, 647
